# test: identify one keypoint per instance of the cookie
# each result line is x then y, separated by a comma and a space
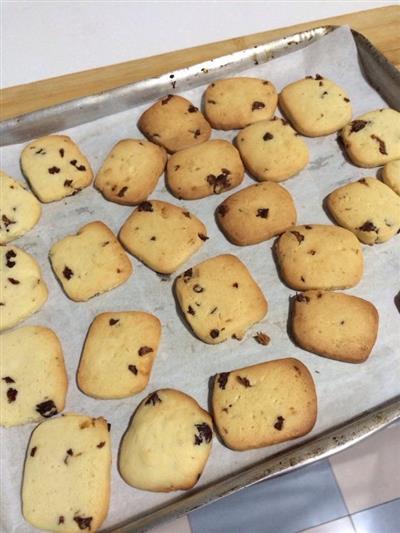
234, 103
209, 168
335, 325
55, 167
264, 404
33, 378
90, 262
373, 139
118, 355
19, 209
167, 444
66, 483
130, 172
162, 235
271, 150
175, 123
368, 208
391, 175
220, 299
256, 213
318, 256
315, 106
23, 291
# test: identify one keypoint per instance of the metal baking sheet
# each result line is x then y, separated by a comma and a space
354, 400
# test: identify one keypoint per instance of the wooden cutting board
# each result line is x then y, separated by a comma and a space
381, 26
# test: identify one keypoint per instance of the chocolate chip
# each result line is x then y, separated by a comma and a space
187, 274
40, 151
167, 99
302, 298
262, 338
67, 273
6, 221
54, 170
222, 379
101, 444
108, 427
257, 105
262, 212
204, 434
67, 183
153, 238
11, 395
113, 321
308, 227
279, 423
211, 102
61, 150
220, 182
318, 77
225, 171
83, 522
191, 311
357, 125
382, 145
346, 99
69, 454
10, 255
214, 333
13, 281
196, 133
33, 451
46, 409
267, 136
144, 350
342, 322
298, 236
133, 369
7, 379
368, 226
193, 109
203, 237
243, 381
235, 285
152, 399
363, 181
324, 93
122, 192
105, 243
197, 288
302, 279
145, 206
222, 209
186, 214
311, 252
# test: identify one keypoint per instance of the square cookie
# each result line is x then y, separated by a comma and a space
162, 235
55, 167
335, 325
33, 378
264, 404
210, 168
234, 103
271, 150
171, 435
368, 208
220, 299
131, 171
318, 256
90, 262
315, 106
373, 139
66, 483
23, 291
256, 213
19, 209
118, 355
175, 123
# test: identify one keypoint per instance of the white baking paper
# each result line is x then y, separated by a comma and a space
183, 362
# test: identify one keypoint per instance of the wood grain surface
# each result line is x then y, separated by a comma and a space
381, 26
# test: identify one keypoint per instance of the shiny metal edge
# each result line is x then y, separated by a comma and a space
79, 111
320, 447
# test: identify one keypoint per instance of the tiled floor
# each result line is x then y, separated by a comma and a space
356, 491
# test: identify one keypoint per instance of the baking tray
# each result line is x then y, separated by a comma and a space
384, 78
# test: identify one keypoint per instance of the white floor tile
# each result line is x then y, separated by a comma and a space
176, 526
342, 525
369, 472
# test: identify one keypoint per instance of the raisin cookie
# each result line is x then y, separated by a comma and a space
271, 150
391, 175
118, 355
220, 299
315, 106
234, 103
373, 139
317, 256
162, 235
256, 213
264, 404
19, 209
66, 484
209, 168
23, 291
33, 378
175, 123
167, 444
55, 167
368, 208
90, 262
131, 171
335, 325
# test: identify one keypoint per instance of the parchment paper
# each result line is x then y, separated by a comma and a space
183, 362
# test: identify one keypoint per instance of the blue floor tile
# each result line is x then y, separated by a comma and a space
287, 504
384, 518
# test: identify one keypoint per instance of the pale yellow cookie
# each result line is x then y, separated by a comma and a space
391, 175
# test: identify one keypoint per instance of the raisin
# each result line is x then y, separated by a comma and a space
145, 206
368, 226
166, 99
363, 181
214, 333
33, 451
13, 281
308, 227
186, 214
10, 255
204, 434
122, 192
7, 379
262, 212
61, 150
257, 105
302, 298
191, 311
11, 395
193, 109
312, 252
346, 99
54, 170
46, 408
324, 93
222, 210
67, 183
133, 369
243, 381
101, 444
203, 237
67, 273
267, 136
69, 454
211, 102
279, 423
262, 338
6, 221
152, 399
298, 236
144, 350
198, 289
222, 379
40, 151
318, 77
113, 321
83, 522
235, 285
187, 274
358, 125
196, 133
382, 145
